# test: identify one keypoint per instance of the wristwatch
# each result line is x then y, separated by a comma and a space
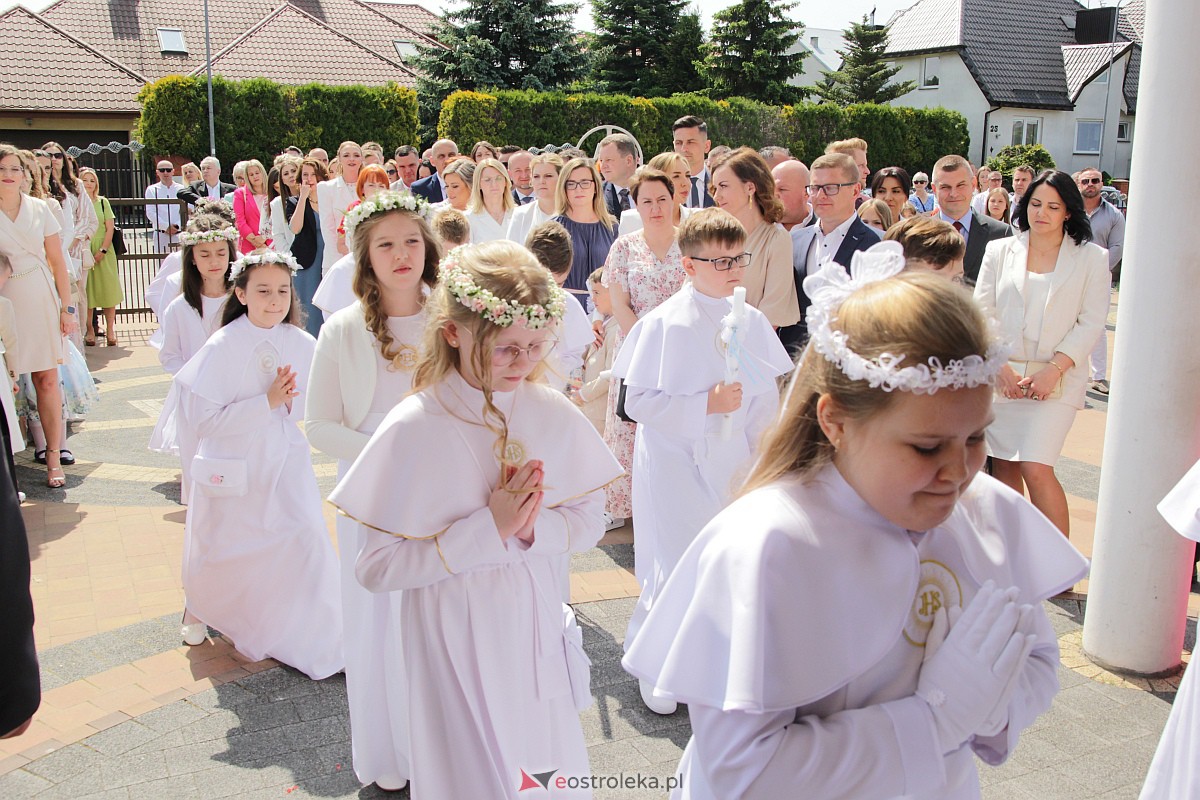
69, 309
103, 251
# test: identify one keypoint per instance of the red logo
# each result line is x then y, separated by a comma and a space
538, 780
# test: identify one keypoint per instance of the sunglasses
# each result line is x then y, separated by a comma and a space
166, 169
920, 183
1089, 181
57, 156
391, 172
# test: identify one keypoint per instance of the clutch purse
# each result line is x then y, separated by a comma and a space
1025, 369
220, 477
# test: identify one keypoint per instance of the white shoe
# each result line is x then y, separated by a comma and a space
391, 783
654, 701
20, 497
611, 523
194, 634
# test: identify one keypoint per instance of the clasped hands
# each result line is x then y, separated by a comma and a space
973, 662
515, 503
1037, 386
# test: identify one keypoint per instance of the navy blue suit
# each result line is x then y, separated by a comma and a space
429, 188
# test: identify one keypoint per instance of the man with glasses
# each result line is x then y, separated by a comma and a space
838, 234
163, 217
1108, 231
952, 186
988, 179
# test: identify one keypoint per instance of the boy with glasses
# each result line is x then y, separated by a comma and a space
672, 365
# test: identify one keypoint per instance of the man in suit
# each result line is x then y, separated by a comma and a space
689, 137
616, 158
433, 188
209, 186
952, 186
520, 169
837, 235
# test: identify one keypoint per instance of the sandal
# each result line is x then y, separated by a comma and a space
66, 457
90, 341
111, 342
39, 456
56, 481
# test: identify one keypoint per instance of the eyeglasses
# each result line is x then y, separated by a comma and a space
830, 189
586, 183
391, 172
726, 263
506, 354
166, 169
57, 156
1090, 181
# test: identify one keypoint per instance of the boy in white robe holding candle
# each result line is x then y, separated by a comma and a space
472, 489
673, 367
866, 615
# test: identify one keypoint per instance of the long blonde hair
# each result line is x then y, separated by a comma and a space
918, 315
508, 271
561, 206
475, 204
366, 283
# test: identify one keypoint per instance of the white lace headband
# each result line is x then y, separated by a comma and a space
266, 257
830, 286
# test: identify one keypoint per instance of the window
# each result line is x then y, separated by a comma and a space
1102, 77
1088, 133
1027, 130
406, 50
170, 40
929, 72
815, 41
1123, 132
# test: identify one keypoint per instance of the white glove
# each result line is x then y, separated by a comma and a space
970, 672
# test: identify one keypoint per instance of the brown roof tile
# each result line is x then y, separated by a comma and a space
43, 68
413, 16
339, 60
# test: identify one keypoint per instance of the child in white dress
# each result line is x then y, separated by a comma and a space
696, 434
865, 618
473, 488
258, 564
597, 364
363, 367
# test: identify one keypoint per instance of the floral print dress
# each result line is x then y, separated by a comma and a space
632, 265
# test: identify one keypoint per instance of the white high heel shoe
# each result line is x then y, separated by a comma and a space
656, 702
194, 634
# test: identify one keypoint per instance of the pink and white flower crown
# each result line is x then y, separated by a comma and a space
505, 313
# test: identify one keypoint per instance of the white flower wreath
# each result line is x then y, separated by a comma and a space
830, 286
462, 287
190, 238
265, 257
383, 201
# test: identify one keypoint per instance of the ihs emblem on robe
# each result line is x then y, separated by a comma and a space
405, 358
937, 587
268, 360
514, 453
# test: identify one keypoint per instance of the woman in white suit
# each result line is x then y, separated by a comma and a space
334, 196
1047, 287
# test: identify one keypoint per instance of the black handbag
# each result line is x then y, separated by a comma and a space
118, 241
621, 402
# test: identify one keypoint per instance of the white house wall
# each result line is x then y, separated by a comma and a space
957, 92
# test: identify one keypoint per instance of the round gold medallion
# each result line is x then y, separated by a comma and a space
514, 453
937, 587
405, 358
268, 360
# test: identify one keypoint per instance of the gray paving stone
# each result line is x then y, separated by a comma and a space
172, 717
64, 763
120, 738
20, 783
180, 787
132, 769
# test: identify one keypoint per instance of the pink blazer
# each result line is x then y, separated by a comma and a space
246, 214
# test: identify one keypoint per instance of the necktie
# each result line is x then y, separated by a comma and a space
525, 198
958, 226
694, 200
624, 195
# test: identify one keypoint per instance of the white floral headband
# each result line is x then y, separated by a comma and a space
190, 238
267, 257
504, 313
830, 286
381, 202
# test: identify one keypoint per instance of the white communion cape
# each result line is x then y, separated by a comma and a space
258, 565
482, 627
809, 612
1175, 771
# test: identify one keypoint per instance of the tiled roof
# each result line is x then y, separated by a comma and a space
1132, 22
338, 61
411, 15
43, 68
1014, 49
1082, 62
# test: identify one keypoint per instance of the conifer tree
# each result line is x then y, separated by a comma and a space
634, 38
679, 72
748, 54
865, 73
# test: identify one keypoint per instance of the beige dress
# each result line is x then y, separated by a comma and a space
770, 280
31, 287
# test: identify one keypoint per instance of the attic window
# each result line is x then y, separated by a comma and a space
406, 50
929, 72
815, 41
170, 40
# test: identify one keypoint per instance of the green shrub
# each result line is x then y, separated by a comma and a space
1014, 155
258, 118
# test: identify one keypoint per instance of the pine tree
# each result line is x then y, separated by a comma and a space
864, 75
748, 53
634, 37
679, 72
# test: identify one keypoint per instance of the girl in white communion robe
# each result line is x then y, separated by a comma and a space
474, 487
258, 563
867, 614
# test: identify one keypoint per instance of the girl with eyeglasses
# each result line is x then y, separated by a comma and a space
502, 476
580, 207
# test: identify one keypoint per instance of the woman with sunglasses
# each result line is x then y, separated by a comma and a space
921, 199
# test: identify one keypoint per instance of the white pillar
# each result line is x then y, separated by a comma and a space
1137, 599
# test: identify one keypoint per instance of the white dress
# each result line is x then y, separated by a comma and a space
258, 564
482, 629
336, 290
809, 613
159, 293
484, 227
524, 219
334, 196
684, 471
1175, 771
375, 680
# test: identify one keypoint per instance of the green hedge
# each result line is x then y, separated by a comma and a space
258, 118
907, 137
